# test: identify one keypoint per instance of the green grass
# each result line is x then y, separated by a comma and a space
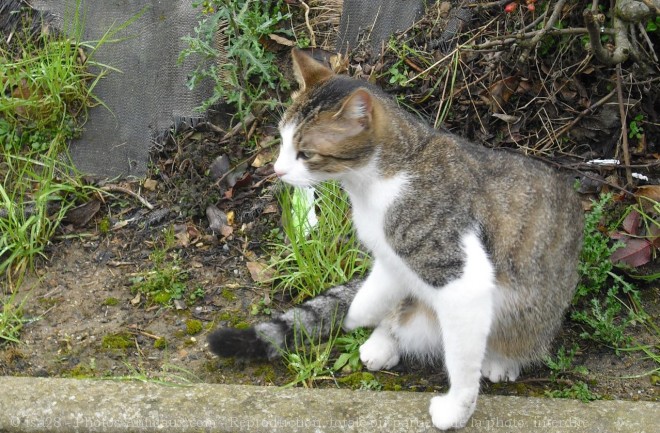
316, 258
11, 319
47, 89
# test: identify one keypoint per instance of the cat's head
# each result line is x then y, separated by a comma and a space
329, 130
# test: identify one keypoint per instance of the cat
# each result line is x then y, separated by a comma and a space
475, 250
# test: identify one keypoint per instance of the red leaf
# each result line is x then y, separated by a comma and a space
635, 253
631, 223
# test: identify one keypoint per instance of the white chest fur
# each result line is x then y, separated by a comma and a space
370, 203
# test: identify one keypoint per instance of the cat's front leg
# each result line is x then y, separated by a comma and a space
465, 310
379, 294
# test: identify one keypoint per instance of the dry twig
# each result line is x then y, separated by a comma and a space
624, 127
117, 188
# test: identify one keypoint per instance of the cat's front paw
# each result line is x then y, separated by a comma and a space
359, 317
451, 413
379, 352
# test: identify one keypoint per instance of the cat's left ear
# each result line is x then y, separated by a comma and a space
308, 72
358, 107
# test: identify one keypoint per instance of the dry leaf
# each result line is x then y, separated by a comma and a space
259, 272
262, 159
80, 215
501, 91
649, 191
282, 41
230, 217
150, 184
506, 117
271, 208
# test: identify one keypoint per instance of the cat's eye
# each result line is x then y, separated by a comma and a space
303, 155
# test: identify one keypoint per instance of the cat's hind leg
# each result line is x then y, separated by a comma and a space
497, 368
378, 296
465, 310
412, 329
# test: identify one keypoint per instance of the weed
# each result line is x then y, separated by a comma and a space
635, 129
317, 257
227, 40
166, 281
47, 90
349, 347
600, 291
562, 364
579, 390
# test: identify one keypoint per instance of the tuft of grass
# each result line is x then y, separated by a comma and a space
11, 319
325, 255
309, 358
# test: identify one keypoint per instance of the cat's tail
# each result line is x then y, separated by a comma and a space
314, 319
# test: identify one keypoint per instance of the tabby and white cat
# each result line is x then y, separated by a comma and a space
475, 250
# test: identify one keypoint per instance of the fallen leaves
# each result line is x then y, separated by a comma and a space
259, 272
639, 233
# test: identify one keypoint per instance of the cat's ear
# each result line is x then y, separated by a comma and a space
308, 71
358, 107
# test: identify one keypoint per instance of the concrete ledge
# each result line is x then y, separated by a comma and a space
66, 405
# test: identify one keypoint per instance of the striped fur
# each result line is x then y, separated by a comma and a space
315, 318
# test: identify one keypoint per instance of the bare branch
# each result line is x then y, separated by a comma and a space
556, 14
621, 51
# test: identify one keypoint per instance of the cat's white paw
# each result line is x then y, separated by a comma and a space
451, 413
379, 352
497, 369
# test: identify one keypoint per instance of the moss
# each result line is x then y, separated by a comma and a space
161, 343
267, 373
119, 341
228, 295
104, 225
242, 325
355, 380
110, 302
81, 371
193, 326
179, 333
49, 302
190, 342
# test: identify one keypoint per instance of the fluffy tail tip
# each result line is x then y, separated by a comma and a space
242, 343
